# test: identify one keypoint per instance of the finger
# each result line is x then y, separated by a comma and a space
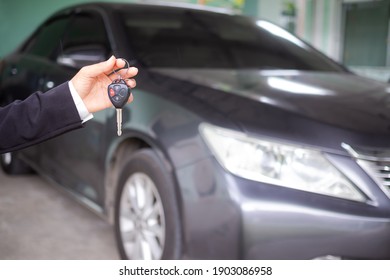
131, 83
130, 98
97, 69
125, 73
120, 63
131, 72
119, 72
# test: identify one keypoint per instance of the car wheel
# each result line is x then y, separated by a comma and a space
147, 224
12, 165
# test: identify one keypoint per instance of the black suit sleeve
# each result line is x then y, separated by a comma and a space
39, 117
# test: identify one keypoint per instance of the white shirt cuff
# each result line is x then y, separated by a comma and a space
84, 114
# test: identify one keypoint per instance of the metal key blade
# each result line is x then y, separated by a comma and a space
119, 121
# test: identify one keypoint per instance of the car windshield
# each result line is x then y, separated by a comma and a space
178, 38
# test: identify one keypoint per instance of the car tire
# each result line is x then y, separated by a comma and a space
12, 165
147, 223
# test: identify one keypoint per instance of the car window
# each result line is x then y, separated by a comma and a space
199, 39
47, 39
86, 33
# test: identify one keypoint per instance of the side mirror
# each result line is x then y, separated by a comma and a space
78, 57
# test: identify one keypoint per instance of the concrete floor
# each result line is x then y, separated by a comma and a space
37, 221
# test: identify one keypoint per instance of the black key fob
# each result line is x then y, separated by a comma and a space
119, 93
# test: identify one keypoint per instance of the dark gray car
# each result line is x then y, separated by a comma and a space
243, 142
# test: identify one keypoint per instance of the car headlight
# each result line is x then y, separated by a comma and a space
278, 164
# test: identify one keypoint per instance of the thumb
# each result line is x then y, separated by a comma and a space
103, 67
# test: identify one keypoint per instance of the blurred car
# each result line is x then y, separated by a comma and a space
243, 142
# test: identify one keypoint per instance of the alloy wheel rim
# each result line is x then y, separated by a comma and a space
141, 219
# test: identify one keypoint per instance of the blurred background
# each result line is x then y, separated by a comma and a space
354, 32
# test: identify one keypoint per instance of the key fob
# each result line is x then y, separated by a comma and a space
119, 93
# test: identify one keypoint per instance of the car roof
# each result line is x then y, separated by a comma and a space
145, 4
187, 6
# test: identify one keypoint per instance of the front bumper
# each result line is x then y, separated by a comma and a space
226, 217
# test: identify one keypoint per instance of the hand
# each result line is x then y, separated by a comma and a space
91, 82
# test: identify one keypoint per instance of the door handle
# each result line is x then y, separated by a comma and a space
13, 71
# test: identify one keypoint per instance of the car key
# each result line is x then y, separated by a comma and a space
119, 94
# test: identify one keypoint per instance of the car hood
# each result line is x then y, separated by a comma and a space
352, 108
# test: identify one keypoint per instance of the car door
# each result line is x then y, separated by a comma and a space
76, 159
